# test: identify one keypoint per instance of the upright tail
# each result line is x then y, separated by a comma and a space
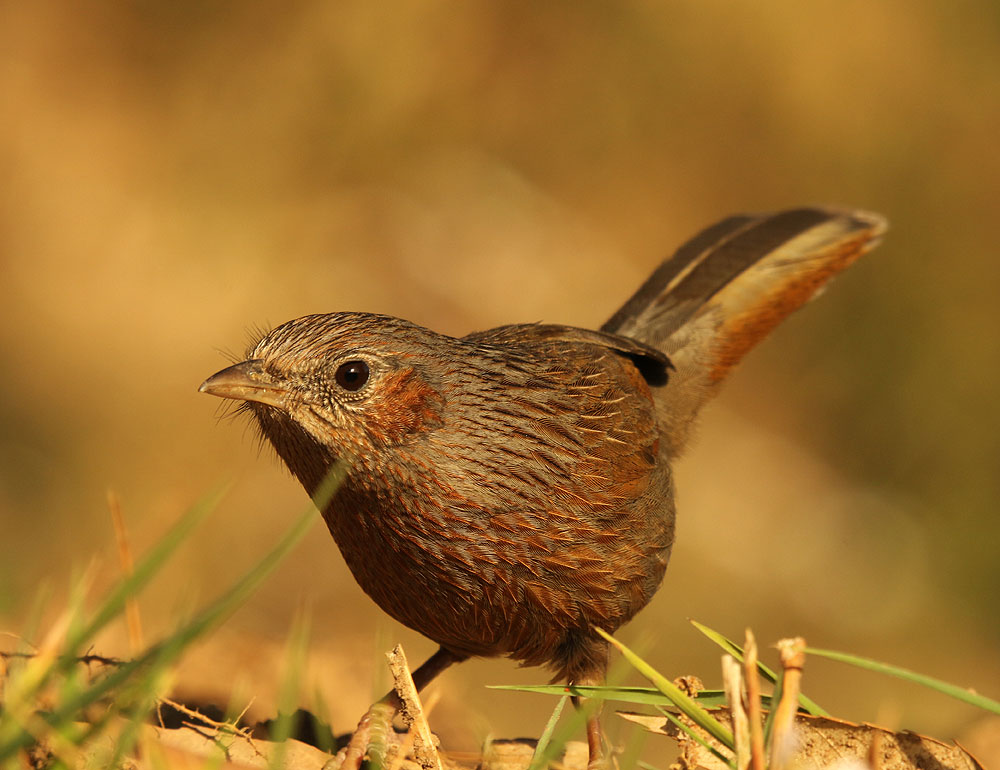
726, 288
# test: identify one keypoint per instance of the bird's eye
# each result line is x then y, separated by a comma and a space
352, 375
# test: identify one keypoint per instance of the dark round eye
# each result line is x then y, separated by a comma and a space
352, 375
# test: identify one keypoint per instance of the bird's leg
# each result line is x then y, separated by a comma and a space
595, 745
378, 718
593, 675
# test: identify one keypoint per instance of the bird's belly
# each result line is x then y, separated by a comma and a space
497, 586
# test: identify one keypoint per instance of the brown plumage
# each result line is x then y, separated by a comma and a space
509, 491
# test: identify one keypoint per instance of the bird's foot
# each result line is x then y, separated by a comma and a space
371, 738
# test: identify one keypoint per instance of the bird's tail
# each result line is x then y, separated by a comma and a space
726, 288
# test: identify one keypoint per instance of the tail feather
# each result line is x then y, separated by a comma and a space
725, 289
648, 311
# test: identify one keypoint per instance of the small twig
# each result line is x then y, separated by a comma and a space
752, 678
793, 658
85, 659
225, 727
404, 749
413, 713
243, 713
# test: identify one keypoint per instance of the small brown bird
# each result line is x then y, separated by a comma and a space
509, 491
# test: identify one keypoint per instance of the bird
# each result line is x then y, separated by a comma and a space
509, 492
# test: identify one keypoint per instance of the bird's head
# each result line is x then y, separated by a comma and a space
337, 386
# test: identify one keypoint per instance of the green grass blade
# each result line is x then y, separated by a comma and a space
960, 693
139, 713
218, 610
561, 735
728, 645
556, 738
162, 654
779, 687
684, 702
539, 758
736, 651
643, 695
289, 718
81, 632
149, 566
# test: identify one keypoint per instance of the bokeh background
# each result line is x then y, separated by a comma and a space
176, 174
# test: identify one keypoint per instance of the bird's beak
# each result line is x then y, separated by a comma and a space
246, 381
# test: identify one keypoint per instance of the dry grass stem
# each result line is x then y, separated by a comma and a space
732, 682
751, 677
783, 734
132, 618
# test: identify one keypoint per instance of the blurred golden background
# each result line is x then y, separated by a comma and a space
176, 174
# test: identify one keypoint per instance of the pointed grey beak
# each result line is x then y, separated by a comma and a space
245, 381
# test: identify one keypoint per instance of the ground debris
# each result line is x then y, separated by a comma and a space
822, 742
